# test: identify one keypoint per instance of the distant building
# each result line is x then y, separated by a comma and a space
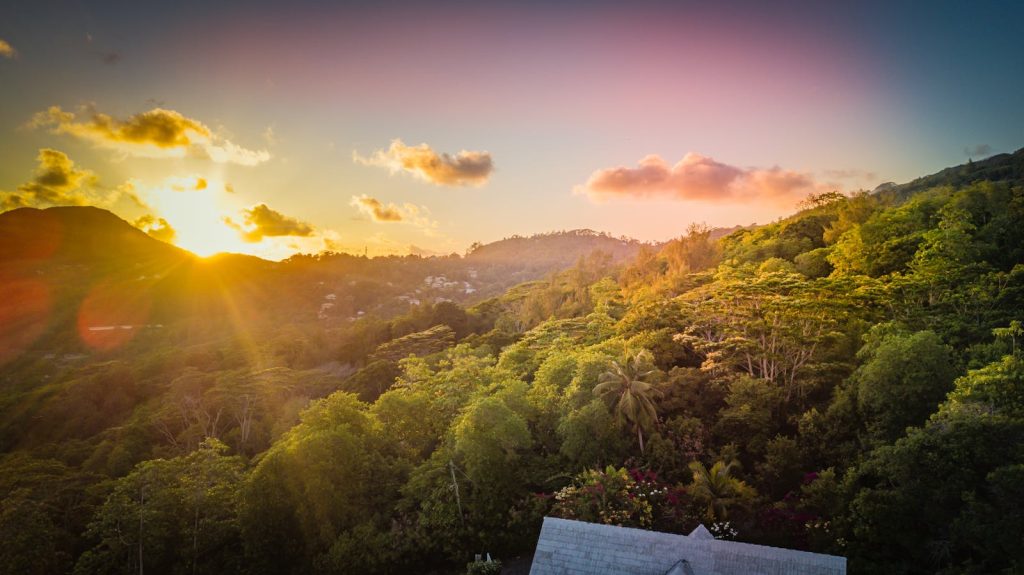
568, 547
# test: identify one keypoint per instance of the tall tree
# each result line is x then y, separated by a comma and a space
772, 326
625, 385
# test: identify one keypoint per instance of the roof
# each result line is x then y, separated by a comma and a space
567, 547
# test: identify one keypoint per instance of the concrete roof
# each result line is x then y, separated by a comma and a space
568, 547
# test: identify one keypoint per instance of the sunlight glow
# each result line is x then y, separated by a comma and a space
198, 218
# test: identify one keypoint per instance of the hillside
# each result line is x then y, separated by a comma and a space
68, 235
555, 250
845, 380
83, 268
1007, 168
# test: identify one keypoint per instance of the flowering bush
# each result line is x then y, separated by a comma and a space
628, 498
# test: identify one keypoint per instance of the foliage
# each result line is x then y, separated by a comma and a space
847, 380
997, 388
633, 399
901, 381
719, 490
170, 516
627, 498
908, 501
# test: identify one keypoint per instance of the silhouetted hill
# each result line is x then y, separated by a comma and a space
998, 168
84, 269
77, 234
556, 249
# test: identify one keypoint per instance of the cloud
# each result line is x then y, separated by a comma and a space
156, 227
156, 133
979, 151
418, 216
158, 127
186, 184
260, 221
377, 211
699, 178
229, 153
57, 181
7, 51
463, 169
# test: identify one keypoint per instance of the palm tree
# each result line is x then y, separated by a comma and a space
634, 398
719, 487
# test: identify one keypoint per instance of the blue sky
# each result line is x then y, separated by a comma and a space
633, 118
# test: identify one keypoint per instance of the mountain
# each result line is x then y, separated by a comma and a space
998, 168
555, 249
78, 234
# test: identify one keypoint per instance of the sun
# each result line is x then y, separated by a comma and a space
197, 218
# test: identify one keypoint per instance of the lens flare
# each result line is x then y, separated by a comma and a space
112, 314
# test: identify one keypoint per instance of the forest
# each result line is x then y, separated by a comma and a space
846, 380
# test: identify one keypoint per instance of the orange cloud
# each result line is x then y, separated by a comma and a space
156, 133
57, 181
186, 184
156, 227
418, 216
699, 178
463, 169
7, 51
377, 211
260, 221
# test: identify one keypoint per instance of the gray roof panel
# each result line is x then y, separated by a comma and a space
567, 547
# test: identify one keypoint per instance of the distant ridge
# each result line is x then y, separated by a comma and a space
554, 249
998, 168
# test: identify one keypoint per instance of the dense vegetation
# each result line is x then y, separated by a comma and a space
847, 380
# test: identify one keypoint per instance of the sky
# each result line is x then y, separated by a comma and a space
396, 127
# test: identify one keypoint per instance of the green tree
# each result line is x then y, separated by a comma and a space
718, 489
772, 326
996, 388
45, 507
903, 378
329, 475
632, 398
171, 516
491, 441
750, 417
591, 436
913, 507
